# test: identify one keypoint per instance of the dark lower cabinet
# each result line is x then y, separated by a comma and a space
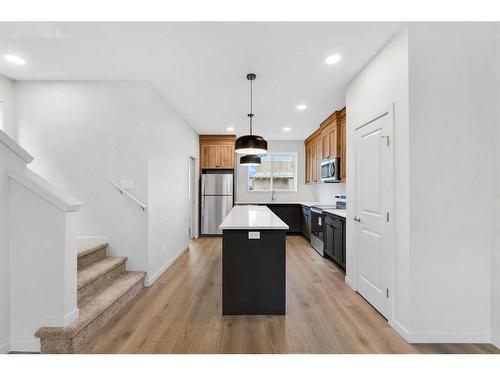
306, 222
291, 214
334, 238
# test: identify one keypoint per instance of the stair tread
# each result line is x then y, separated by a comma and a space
93, 271
95, 305
90, 249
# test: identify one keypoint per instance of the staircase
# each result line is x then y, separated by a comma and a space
104, 287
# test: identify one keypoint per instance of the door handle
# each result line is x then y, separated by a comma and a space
357, 219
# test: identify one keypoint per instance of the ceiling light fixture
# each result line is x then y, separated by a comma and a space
230, 129
286, 129
15, 59
332, 59
301, 107
249, 160
251, 144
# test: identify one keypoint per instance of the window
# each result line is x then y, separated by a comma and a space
278, 171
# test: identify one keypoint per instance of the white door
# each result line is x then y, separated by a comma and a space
374, 197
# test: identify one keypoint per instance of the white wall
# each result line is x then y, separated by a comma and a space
495, 254
325, 193
81, 134
7, 160
383, 82
168, 215
7, 99
304, 193
451, 153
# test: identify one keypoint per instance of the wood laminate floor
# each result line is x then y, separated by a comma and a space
181, 313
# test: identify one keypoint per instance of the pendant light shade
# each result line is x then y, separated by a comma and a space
251, 144
249, 160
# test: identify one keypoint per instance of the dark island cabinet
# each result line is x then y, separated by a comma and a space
334, 238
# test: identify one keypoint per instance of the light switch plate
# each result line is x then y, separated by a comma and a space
254, 235
128, 184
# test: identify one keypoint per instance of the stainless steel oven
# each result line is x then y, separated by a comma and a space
330, 170
317, 229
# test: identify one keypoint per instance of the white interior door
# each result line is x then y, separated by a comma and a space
374, 202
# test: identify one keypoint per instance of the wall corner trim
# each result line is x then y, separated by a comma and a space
151, 280
15, 148
495, 340
45, 190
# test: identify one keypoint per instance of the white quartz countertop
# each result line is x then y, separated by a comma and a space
341, 213
308, 204
252, 217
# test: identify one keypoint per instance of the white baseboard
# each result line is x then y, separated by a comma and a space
25, 346
349, 282
495, 340
151, 279
450, 338
56, 321
400, 329
4, 348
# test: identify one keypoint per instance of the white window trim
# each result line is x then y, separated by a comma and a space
296, 173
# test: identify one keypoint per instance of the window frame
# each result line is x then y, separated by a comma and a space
296, 173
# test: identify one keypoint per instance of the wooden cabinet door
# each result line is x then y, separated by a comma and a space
332, 135
342, 155
308, 163
325, 145
209, 156
317, 164
225, 156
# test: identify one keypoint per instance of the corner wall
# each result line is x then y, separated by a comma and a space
7, 160
495, 253
381, 83
82, 133
451, 166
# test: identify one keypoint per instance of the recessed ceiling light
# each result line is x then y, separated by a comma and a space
332, 59
301, 107
15, 59
230, 129
286, 129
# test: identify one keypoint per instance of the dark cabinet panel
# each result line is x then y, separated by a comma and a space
306, 222
334, 238
290, 214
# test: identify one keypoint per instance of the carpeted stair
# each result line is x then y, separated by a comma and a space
104, 287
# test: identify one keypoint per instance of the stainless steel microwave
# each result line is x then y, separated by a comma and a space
330, 170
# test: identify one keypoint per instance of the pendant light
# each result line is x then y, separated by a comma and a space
251, 144
249, 160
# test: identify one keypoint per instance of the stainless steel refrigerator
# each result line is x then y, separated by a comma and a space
216, 200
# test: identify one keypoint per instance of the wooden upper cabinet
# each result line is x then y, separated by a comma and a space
208, 156
217, 151
343, 142
226, 156
326, 142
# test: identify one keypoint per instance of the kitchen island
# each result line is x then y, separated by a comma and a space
253, 262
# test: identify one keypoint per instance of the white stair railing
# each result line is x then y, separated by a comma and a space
127, 194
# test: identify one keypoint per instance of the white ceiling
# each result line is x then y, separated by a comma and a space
200, 68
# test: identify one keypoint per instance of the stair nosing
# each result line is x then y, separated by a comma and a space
70, 332
122, 260
92, 249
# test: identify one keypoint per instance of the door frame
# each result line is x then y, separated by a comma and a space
192, 206
385, 111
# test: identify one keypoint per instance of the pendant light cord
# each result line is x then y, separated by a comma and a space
251, 106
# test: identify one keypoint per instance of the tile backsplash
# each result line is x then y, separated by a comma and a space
326, 192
